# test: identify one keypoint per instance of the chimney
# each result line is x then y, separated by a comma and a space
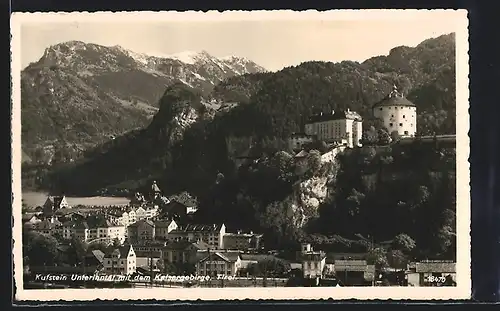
348, 110
321, 113
333, 112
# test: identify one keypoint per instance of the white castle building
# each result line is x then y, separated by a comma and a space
397, 113
342, 127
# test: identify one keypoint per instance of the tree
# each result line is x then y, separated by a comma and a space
383, 137
314, 161
397, 259
41, 249
370, 136
404, 243
77, 250
378, 257
395, 136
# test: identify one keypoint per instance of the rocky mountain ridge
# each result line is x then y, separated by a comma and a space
81, 94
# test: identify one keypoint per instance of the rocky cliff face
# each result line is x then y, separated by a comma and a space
83, 94
308, 194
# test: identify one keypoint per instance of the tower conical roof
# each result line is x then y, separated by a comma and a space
394, 98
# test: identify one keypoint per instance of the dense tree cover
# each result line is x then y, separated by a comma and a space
403, 193
40, 249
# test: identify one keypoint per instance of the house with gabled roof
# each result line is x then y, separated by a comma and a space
219, 263
184, 251
54, 203
121, 260
163, 228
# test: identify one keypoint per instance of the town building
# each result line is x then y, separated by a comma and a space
397, 113
213, 235
48, 226
132, 216
163, 228
339, 127
182, 252
431, 273
54, 203
219, 263
94, 258
353, 272
146, 212
30, 218
242, 241
121, 260
80, 230
142, 230
313, 262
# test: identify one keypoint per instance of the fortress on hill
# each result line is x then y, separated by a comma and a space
345, 128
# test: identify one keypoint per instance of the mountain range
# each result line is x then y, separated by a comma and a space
197, 130
80, 94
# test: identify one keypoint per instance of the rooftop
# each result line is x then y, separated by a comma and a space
438, 267
199, 227
335, 115
394, 98
122, 251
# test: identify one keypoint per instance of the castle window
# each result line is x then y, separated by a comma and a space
400, 124
390, 124
403, 116
392, 116
380, 108
406, 132
395, 107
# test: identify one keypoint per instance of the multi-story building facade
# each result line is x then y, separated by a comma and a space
219, 263
142, 230
163, 228
397, 113
121, 260
242, 241
313, 262
339, 127
184, 252
213, 235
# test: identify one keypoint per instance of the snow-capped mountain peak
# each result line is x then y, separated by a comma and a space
187, 57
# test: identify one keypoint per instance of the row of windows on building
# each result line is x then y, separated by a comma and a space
116, 262
396, 108
404, 116
313, 265
400, 124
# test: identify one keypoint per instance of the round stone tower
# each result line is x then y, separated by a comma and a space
397, 113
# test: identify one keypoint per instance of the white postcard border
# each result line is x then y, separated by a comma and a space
463, 289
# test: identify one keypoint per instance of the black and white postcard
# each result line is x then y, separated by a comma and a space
241, 155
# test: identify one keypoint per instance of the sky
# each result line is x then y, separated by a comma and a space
273, 44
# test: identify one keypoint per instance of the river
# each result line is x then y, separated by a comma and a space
34, 199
